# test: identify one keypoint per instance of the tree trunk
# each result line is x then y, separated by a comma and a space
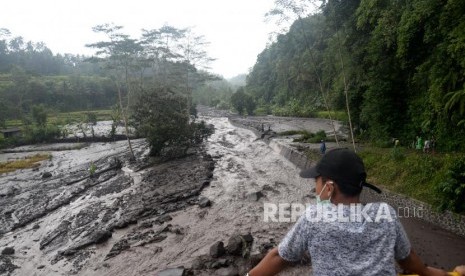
125, 119
319, 80
346, 91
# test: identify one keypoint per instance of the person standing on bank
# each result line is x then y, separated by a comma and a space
322, 147
355, 248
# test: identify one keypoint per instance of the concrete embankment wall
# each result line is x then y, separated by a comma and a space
409, 207
295, 157
403, 204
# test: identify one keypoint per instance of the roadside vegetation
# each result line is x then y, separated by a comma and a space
437, 179
340, 63
24, 163
307, 137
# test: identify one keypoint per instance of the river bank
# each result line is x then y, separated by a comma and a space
437, 237
198, 215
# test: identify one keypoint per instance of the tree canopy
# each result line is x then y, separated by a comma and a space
401, 63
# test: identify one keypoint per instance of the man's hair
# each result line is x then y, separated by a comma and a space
346, 189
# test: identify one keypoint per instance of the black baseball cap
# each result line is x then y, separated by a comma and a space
343, 166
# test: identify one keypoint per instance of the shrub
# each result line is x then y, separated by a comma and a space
24, 163
263, 110
193, 110
92, 169
35, 134
291, 132
223, 105
335, 115
451, 191
162, 117
397, 154
39, 115
293, 108
308, 137
3, 143
91, 118
241, 100
320, 135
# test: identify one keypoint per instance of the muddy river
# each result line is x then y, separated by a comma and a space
134, 218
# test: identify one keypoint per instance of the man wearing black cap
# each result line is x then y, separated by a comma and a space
365, 243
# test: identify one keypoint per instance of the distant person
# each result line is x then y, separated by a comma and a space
426, 147
322, 147
364, 246
419, 145
396, 143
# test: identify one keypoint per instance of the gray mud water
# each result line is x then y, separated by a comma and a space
58, 220
133, 218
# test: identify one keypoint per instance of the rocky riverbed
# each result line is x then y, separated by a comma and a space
58, 219
198, 215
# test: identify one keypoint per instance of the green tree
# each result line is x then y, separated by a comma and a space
3, 112
91, 118
161, 117
121, 56
238, 100
250, 105
242, 101
39, 115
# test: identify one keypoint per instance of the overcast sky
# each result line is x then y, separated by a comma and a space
236, 29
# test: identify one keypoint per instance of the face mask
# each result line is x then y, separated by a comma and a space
324, 201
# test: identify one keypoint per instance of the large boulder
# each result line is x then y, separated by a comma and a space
204, 202
46, 175
255, 196
8, 251
235, 245
217, 249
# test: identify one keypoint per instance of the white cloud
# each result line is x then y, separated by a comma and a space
236, 29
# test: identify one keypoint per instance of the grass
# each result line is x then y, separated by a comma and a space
409, 172
73, 117
293, 132
405, 171
335, 115
68, 117
312, 154
306, 137
25, 163
13, 123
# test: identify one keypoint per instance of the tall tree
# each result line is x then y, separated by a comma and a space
297, 10
121, 55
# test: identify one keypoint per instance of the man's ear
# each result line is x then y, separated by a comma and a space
331, 187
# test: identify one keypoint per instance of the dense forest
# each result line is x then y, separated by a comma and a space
398, 66
30, 74
150, 80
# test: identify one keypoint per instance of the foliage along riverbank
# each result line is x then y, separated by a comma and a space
31, 161
437, 179
397, 65
41, 127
